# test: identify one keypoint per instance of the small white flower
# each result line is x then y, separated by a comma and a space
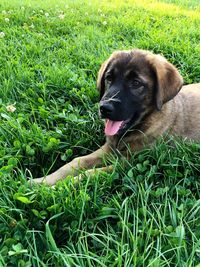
24, 25
46, 14
32, 26
104, 23
33, 11
7, 20
11, 108
41, 11
2, 34
4, 12
61, 16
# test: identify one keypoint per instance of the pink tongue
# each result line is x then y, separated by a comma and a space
112, 127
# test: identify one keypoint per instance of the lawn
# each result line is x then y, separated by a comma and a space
147, 212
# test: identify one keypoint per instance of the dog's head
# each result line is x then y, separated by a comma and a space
132, 84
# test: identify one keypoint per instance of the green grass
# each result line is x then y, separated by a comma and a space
147, 212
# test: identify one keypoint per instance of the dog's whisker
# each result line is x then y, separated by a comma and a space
112, 98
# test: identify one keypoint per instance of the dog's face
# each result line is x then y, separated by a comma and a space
133, 84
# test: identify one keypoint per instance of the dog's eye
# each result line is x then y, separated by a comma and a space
108, 78
135, 83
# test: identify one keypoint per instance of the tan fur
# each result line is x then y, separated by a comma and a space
176, 114
168, 78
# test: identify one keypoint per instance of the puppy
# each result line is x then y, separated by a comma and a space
142, 98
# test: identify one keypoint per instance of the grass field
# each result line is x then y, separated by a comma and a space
144, 214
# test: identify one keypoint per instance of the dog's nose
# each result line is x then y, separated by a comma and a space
106, 109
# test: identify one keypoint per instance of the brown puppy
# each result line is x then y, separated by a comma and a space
140, 101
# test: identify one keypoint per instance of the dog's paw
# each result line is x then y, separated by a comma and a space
48, 180
37, 181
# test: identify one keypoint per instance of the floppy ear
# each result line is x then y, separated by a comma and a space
100, 78
169, 80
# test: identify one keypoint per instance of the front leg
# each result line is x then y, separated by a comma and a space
73, 167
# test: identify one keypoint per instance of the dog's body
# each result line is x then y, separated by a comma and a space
140, 101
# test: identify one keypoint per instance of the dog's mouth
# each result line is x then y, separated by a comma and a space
113, 127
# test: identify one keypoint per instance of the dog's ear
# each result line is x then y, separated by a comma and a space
169, 81
101, 76
101, 73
